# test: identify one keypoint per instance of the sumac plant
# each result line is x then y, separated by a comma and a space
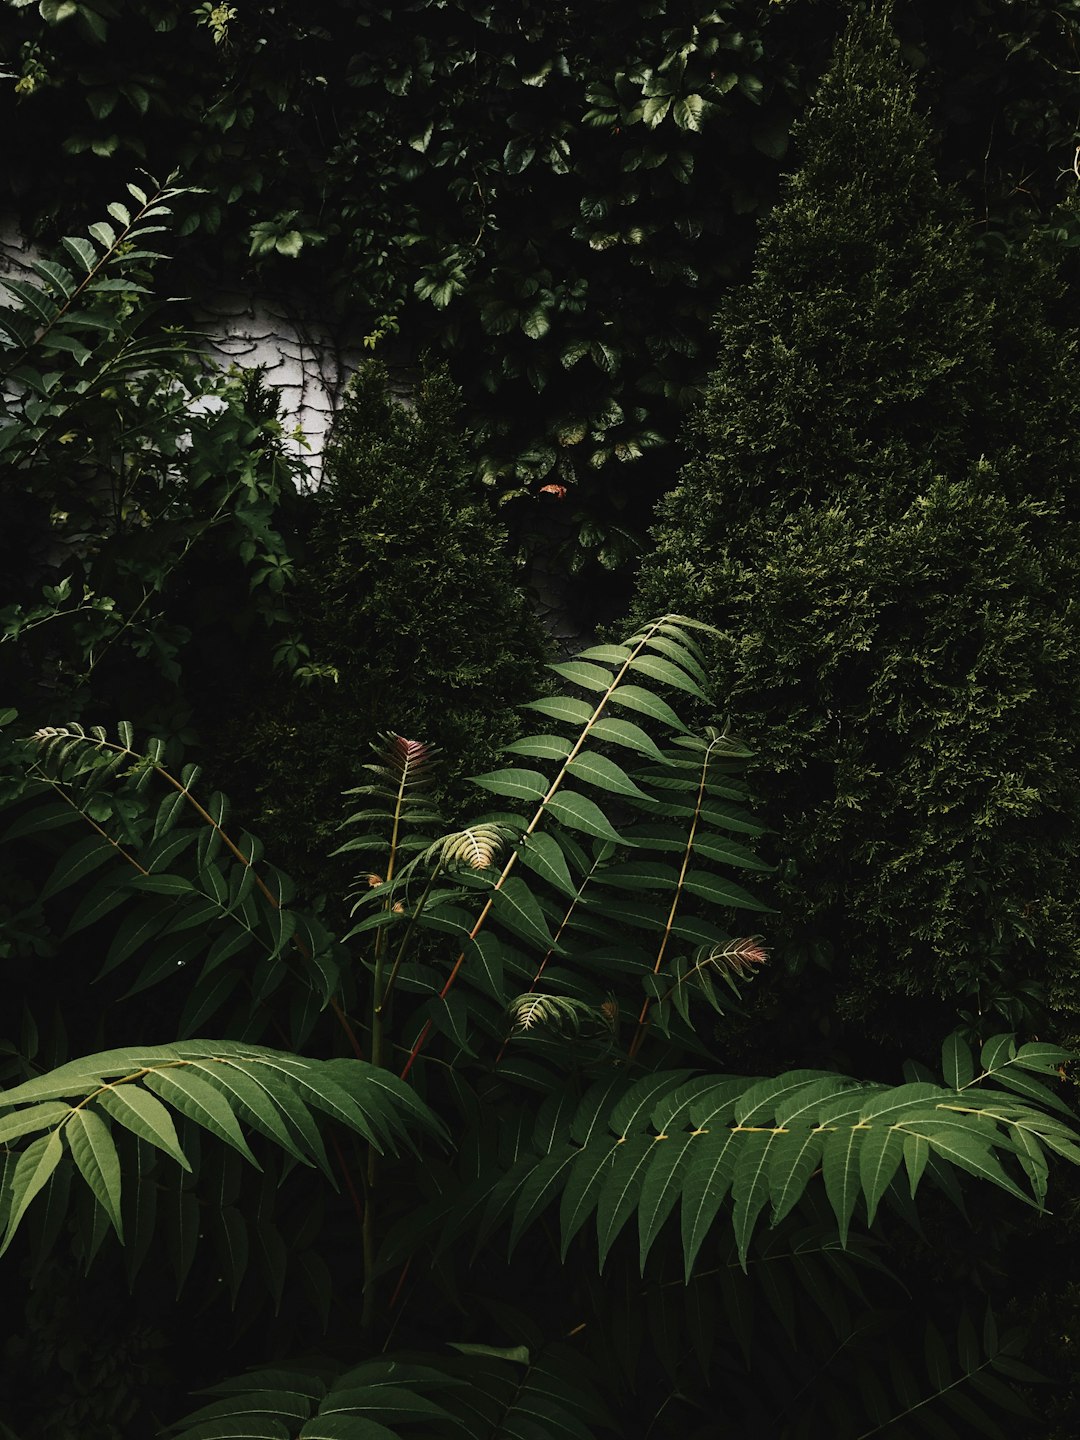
476, 1167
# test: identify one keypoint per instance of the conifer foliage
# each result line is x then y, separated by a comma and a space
881, 518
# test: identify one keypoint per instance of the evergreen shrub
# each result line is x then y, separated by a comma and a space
411, 610
881, 518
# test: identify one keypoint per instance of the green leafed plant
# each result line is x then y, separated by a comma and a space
521, 1037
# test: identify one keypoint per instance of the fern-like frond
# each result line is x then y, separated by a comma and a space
750, 1145
559, 1014
74, 1112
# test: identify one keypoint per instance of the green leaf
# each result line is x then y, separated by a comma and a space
661, 1188
562, 707
544, 855
664, 670
840, 1168
81, 251
750, 1183
144, 1116
515, 784
598, 770
578, 812
621, 1188
38, 1117
76, 862
200, 1102
541, 747
32, 1171
971, 1152
627, 734
791, 1169
957, 1064
707, 1182
633, 697
880, 1156
590, 677
94, 1152
516, 907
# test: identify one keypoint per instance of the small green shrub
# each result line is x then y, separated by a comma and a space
410, 607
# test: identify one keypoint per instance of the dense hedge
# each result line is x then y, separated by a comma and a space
882, 519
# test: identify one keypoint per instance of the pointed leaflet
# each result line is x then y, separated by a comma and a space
252, 1101
957, 1064
750, 1183
598, 770
620, 1189
578, 812
94, 1152
144, 1116
545, 857
840, 1167
545, 1182
664, 670
580, 1196
562, 707
879, 1158
541, 747
627, 734
661, 1189
514, 784
516, 907
32, 1171
200, 1102
589, 677
705, 1188
633, 697
38, 1117
78, 860
791, 1169
970, 1150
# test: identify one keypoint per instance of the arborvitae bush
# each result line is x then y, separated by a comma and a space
408, 598
881, 518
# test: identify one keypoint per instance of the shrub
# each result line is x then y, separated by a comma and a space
881, 518
410, 607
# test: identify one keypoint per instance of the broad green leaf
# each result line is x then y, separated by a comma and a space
1042, 1058
633, 697
25, 1122
200, 1102
627, 734
598, 770
720, 891
546, 1180
997, 1051
664, 670
621, 1187
957, 1064
252, 1101
541, 747
880, 1155
582, 1189
661, 1188
449, 1014
840, 1168
791, 1169
750, 1181
590, 677
32, 1171
562, 707
969, 1151
759, 1102
144, 1116
94, 1152
76, 862
516, 907
578, 812
81, 251
543, 854
515, 784
708, 1179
